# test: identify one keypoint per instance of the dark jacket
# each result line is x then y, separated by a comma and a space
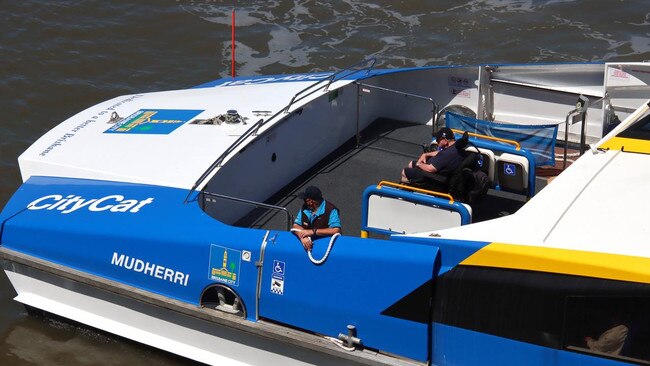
320, 222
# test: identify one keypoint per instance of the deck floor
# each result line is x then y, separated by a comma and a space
384, 149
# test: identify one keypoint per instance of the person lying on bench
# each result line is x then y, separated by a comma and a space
443, 161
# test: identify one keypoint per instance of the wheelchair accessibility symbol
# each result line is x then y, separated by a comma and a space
277, 278
509, 169
278, 268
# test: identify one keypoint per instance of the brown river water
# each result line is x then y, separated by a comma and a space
59, 57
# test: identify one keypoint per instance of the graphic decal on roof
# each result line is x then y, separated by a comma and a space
154, 121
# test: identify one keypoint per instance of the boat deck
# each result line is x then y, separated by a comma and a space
384, 149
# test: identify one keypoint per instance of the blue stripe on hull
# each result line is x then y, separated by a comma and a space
146, 237
163, 247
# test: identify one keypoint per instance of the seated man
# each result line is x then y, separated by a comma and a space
612, 340
316, 218
443, 161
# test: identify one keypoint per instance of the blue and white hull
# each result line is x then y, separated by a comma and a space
130, 220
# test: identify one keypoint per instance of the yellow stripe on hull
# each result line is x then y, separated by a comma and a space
627, 144
562, 261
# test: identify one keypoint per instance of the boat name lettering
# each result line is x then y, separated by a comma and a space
71, 203
151, 269
264, 80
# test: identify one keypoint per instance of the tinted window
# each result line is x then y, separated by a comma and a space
639, 130
547, 309
609, 326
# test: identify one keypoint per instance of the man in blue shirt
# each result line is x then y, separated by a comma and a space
317, 218
443, 161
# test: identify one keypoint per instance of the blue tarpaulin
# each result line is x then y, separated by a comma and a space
537, 139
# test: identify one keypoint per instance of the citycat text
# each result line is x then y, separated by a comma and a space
151, 269
71, 203
272, 79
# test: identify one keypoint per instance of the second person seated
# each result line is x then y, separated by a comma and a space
443, 161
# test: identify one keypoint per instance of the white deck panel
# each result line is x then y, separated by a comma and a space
598, 204
176, 159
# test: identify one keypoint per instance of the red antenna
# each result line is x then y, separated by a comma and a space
232, 47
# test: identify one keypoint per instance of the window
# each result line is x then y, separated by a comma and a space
639, 130
551, 310
617, 327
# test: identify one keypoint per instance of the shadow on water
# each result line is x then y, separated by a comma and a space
59, 57
11, 310
39, 338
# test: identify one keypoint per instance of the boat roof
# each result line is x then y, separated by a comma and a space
170, 150
167, 150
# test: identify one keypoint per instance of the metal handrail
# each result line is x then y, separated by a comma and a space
415, 189
537, 86
331, 78
255, 127
434, 105
577, 111
255, 203
260, 268
372, 60
486, 137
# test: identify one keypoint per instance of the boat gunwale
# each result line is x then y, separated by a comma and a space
265, 329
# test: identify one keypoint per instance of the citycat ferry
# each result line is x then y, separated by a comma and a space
164, 218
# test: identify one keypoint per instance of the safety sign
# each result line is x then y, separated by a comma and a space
277, 277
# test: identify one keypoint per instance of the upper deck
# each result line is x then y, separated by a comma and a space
158, 140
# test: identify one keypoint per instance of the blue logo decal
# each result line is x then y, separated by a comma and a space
278, 268
277, 278
154, 121
509, 169
224, 265
274, 79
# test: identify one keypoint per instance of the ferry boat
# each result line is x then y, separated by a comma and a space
164, 218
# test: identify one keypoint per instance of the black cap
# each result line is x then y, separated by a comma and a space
445, 133
311, 192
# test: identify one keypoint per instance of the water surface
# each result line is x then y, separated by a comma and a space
59, 57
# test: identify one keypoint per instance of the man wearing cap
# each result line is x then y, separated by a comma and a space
317, 218
443, 161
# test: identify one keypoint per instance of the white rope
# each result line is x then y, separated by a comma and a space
327, 252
